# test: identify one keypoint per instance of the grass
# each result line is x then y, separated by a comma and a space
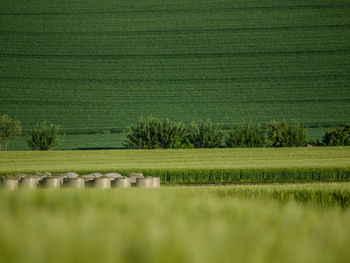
230, 61
193, 166
170, 224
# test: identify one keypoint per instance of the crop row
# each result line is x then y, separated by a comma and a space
324, 195
173, 19
239, 176
162, 43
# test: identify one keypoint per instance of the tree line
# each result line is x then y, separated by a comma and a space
154, 133
41, 137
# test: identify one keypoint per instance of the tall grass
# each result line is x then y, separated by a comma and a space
166, 225
269, 175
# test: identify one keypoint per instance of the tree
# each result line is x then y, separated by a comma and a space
205, 135
337, 136
248, 135
43, 137
9, 131
283, 134
152, 133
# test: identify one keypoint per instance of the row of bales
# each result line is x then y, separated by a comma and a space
73, 180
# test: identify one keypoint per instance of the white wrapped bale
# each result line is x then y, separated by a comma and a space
78, 183
29, 182
144, 182
102, 183
52, 182
121, 183
9, 184
156, 182
71, 175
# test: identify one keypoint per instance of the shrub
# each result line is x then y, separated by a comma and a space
282, 134
246, 136
43, 137
9, 131
205, 135
152, 133
337, 136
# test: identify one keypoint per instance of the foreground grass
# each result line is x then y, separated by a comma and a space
106, 160
171, 225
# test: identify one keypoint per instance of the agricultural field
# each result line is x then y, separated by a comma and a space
98, 66
258, 165
178, 224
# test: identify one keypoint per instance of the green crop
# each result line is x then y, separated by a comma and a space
92, 66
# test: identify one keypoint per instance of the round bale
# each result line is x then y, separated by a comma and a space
95, 175
71, 175
102, 183
10, 184
121, 183
113, 176
29, 182
156, 182
52, 182
134, 176
78, 183
144, 182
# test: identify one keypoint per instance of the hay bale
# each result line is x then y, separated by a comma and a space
113, 176
61, 177
71, 175
156, 182
133, 177
102, 183
121, 183
14, 177
29, 182
144, 182
10, 184
41, 176
88, 177
52, 182
95, 175
78, 183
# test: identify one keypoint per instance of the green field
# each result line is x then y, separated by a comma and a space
193, 166
173, 224
96, 66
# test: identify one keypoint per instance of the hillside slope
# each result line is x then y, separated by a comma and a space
92, 66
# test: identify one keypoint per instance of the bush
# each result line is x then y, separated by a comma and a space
282, 134
246, 136
43, 137
205, 135
9, 131
152, 133
337, 136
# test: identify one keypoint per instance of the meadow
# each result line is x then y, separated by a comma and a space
172, 224
193, 165
98, 66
